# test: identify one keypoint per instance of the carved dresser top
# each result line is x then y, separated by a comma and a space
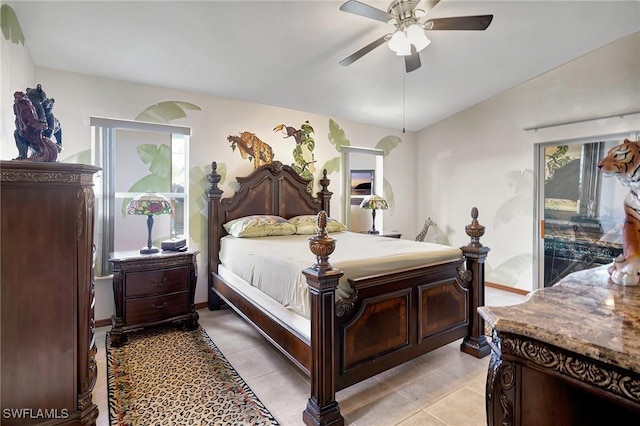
585, 313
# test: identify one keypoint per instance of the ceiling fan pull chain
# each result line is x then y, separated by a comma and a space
404, 95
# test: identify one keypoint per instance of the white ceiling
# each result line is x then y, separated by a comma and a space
286, 53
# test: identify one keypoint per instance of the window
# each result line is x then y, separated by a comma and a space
137, 157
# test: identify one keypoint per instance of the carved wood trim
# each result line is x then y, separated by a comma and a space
600, 375
500, 391
345, 306
83, 175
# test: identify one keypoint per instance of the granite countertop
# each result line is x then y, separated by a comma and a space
584, 313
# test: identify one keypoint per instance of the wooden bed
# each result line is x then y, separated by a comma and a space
388, 320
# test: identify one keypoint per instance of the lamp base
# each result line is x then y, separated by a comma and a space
373, 231
149, 250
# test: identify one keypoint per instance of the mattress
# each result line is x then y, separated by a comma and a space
274, 265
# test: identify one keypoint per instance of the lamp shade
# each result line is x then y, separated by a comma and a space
149, 204
375, 202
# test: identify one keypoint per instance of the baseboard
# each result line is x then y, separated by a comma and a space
506, 288
103, 322
202, 305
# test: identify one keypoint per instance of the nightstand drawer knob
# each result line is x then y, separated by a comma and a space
159, 283
160, 306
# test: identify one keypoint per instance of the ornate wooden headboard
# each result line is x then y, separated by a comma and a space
274, 189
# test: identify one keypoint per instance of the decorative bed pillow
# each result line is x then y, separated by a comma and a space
259, 226
308, 224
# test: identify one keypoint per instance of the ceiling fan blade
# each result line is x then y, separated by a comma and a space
479, 22
360, 53
357, 8
412, 62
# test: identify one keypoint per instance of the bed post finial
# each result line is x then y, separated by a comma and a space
475, 230
322, 245
324, 194
214, 179
475, 343
324, 181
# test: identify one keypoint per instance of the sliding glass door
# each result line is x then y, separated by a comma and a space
580, 211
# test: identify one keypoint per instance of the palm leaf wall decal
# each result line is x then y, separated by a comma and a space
10, 25
337, 137
521, 203
388, 143
82, 157
510, 271
332, 166
158, 157
164, 112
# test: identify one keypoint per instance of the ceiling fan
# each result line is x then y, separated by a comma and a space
409, 36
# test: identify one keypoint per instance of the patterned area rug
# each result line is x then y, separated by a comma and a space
166, 376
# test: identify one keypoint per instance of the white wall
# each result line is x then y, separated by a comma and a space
470, 159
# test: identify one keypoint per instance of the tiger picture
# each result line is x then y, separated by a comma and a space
623, 161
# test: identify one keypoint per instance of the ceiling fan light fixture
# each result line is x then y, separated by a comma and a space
405, 50
417, 37
400, 44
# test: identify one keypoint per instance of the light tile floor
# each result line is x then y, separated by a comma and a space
444, 387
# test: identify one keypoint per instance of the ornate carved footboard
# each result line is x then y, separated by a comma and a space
388, 320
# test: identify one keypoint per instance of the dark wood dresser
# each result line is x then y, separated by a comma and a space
151, 289
569, 355
48, 334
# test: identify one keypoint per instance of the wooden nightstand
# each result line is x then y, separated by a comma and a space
151, 289
385, 234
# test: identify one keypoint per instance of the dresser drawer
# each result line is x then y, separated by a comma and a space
149, 309
147, 283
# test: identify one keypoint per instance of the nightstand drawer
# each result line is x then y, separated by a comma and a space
147, 283
149, 309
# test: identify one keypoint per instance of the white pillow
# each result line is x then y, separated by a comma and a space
259, 226
308, 224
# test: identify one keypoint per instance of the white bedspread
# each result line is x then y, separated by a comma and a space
274, 264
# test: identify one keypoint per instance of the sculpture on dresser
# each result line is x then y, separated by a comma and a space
35, 125
623, 161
